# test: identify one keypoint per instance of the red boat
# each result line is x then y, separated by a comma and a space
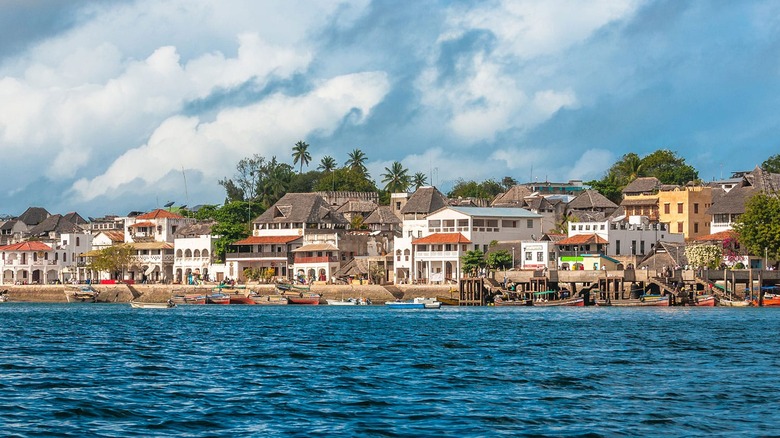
218, 298
310, 299
240, 298
704, 301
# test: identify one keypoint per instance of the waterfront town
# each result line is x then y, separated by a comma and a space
616, 252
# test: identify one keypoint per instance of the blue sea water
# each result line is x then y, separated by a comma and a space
109, 370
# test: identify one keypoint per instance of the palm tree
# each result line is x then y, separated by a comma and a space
301, 154
328, 164
356, 161
396, 178
419, 179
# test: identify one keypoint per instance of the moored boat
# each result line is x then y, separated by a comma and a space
644, 301
303, 298
417, 303
734, 303
570, 302
704, 301
189, 299
502, 302
218, 298
81, 294
270, 300
141, 305
4, 296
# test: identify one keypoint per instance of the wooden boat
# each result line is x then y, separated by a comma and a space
139, 305
81, 294
499, 301
270, 300
734, 303
291, 287
303, 298
771, 299
704, 300
239, 297
218, 298
417, 303
644, 301
189, 299
571, 302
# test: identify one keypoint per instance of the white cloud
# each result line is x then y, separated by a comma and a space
591, 165
213, 148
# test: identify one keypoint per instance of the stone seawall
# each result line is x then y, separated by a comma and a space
122, 293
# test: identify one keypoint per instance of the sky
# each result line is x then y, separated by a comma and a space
113, 106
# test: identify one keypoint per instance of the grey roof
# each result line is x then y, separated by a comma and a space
195, 230
588, 216
34, 216
669, 254
56, 223
764, 181
8, 225
647, 184
307, 208
496, 212
515, 196
382, 215
732, 202
75, 218
591, 200
425, 200
357, 206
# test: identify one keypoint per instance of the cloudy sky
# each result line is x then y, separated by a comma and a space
112, 106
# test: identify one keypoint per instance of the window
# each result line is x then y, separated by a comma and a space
540, 256
667, 208
695, 227
617, 247
642, 247
633, 247
463, 223
492, 223
449, 223
78, 241
679, 227
509, 224
695, 208
529, 223
434, 223
679, 207
528, 256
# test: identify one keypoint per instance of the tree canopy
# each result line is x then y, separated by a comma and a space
772, 164
759, 227
471, 189
396, 178
301, 154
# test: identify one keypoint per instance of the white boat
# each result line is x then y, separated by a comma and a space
417, 303
349, 302
140, 305
733, 303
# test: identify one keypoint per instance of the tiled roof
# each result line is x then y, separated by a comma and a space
717, 237
27, 246
582, 239
160, 214
115, 236
441, 238
266, 240
316, 247
142, 224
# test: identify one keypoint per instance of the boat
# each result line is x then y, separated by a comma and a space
140, 305
189, 299
4, 296
417, 303
704, 301
81, 294
734, 303
506, 302
303, 298
291, 287
349, 302
239, 297
218, 298
269, 300
643, 301
771, 299
570, 302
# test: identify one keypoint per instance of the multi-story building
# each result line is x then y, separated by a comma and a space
151, 235
684, 210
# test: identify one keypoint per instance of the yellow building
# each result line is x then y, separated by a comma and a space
684, 210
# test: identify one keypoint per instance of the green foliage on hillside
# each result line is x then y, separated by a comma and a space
759, 227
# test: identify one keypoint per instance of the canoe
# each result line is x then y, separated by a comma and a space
498, 301
81, 294
734, 303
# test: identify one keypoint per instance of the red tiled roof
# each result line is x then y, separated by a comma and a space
441, 238
26, 246
115, 236
266, 240
582, 239
160, 214
717, 237
143, 224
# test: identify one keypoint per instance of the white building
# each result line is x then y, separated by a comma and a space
625, 238
36, 262
152, 236
194, 258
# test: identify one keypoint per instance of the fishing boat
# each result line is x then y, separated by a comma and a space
771, 297
704, 301
81, 294
506, 302
734, 303
139, 305
292, 287
570, 302
451, 300
643, 301
303, 298
270, 300
417, 303
239, 296
349, 302
218, 298
189, 299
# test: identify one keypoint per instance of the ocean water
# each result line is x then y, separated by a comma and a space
109, 370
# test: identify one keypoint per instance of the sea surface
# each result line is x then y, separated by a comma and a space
109, 370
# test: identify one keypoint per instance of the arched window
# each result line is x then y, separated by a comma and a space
178, 253
188, 253
205, 253
197, 253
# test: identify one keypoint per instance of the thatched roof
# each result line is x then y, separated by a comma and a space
55, 223
732, 202
306, 208
514, 197
643, 185
382, 215
424, 201
33, 216
591, 200
195, 230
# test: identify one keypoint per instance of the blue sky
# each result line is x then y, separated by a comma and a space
110, 106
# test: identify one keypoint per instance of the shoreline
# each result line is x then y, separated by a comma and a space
152, 293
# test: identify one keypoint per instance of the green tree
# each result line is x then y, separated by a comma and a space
471, 189
609, 186
114, 259
500, 259
668, 167
357, 161
396, 178
419, 180
758, 229
231, 223
508, 182
345, 179
243, 186
772, 164
627, 169
301, 154
473, 261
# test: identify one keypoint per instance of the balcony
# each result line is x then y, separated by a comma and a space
321, 259
436, 255
154, 258
258, 255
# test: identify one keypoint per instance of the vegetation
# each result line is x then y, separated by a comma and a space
704, 255
357, 162
500, 259
759, 227
471, 189
113, 259
772, 164
301, 154
419, 180
232, 223
396, 178
473, 261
